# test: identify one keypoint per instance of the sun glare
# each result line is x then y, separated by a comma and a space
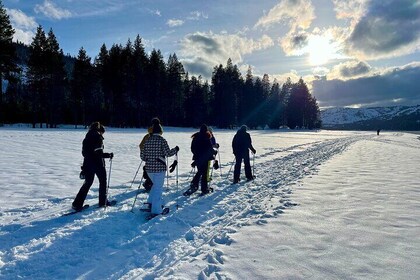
320, 50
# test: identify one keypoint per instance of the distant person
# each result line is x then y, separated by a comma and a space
154, 153
93, 164
147, 181
377, 132
241, 144
202, 151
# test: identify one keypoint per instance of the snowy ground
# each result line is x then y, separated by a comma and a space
325, 205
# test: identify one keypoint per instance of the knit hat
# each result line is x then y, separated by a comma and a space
243, 128
203, 128
155, 120
97, 126
157, 128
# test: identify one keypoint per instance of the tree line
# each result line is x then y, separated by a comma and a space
123, 86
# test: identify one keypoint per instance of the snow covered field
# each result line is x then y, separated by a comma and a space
324, 205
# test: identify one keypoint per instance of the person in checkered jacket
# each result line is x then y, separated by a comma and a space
154, 154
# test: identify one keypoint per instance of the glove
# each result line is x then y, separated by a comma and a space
217, 145
253, 151
176, 148
82, 175
216, 165
193, 164
109, 155
172, 166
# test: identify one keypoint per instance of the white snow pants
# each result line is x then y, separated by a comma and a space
155, 195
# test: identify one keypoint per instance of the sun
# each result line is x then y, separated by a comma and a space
321, 50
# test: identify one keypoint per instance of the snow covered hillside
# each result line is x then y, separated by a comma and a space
395, 118
324, 205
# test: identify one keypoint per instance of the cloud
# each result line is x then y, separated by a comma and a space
194, 16
349, 9
23, 24
350, 70
386, 28
213, 49
297, 14
391, 86
294, 43
49, 9
174, 22
154, 12
197, 15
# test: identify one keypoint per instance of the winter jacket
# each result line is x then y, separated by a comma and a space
92, 150
241, 143
154, 153
202, 148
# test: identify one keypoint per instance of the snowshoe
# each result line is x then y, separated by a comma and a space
165, 211
77, 210
210, 190
190, 191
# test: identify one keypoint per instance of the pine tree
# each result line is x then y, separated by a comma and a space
37, 77
298, 105
8, 64
257, 100
157, 91
246, 102
139, 66
227, 84
103, 74
285, 92
275, 106
266, 106
82, 87
176, 76
56, 80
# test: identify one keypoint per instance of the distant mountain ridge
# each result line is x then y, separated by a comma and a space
391, 118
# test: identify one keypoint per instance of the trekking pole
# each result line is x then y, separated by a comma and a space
167, 174
138, 191
220, 163
135, 176
211, 172
233, 161
191, 172
109, 179
253, 165
176, 156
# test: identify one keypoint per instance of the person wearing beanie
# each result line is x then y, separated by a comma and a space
147, 181
203, 151
93, 164
241, 144
154, 152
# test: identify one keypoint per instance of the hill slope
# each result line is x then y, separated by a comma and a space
391, 118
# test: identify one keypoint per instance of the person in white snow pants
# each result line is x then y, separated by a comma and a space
154, 154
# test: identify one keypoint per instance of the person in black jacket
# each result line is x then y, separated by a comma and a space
241, 143
203, 151
93, 164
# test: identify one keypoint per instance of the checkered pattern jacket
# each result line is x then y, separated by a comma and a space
155, 150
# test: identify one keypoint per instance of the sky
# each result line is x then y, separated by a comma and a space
357, 53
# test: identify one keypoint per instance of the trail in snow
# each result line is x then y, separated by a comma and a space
114, 243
